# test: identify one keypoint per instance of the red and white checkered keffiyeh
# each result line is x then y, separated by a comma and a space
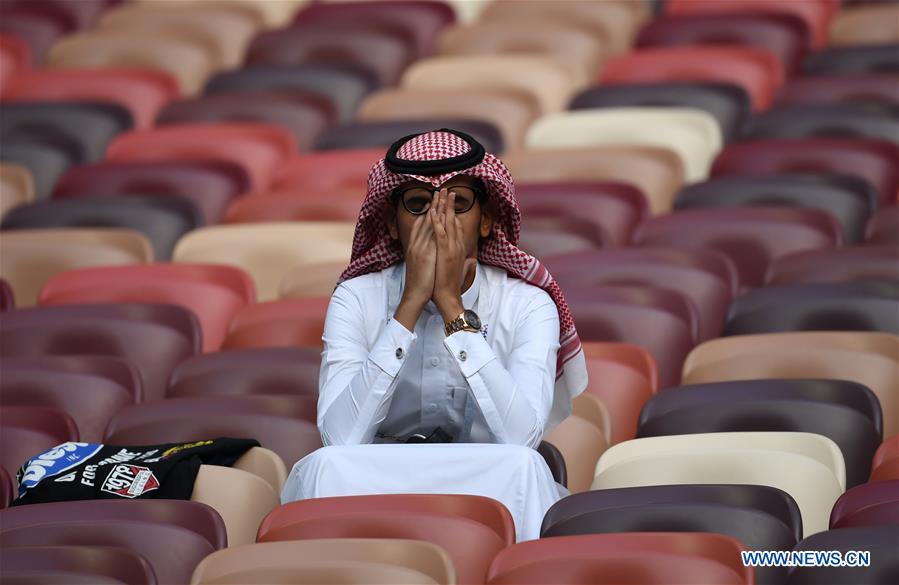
375, 250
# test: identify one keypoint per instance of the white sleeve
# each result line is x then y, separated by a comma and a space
356, 383
516, 401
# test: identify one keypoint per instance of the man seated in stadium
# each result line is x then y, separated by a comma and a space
441, 330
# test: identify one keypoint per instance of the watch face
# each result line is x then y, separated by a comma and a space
472, 319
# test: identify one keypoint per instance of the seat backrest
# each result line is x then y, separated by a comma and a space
368, 134
869, 504
241, 498
27, 431
286, 323
838, 265
113, 563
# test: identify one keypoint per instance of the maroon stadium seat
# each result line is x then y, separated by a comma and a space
837, 265
26, 431
99, 562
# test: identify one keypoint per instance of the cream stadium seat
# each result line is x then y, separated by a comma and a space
807, 466
874, 24
16, 186
268, 13
316, 279
241, 498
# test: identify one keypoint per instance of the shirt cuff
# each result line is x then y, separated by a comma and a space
391, 348
470, 350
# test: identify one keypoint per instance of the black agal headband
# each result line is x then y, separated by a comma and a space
433, 168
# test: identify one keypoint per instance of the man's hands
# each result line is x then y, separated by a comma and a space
436, 263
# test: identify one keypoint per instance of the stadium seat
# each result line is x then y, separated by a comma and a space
153, 541
852, 60
71, 16
296, 205
837, 265
879, 541
580, 443
16, 186
286, 323
684, 271
759, 72
868, 358
510, 112
692, 133
344, 85
26, 431
872, 160
590, 408
631, 356
267, 251
561, 236
885, 465
7, 297
782, 34
259, 148
418, 23
643, 558
318, 561
808, 467
141, 91
305, 119
544, 80
472, 529
362, 134
333, 170
870, 504
751, 237
864, 25
291, 438
825, 306
657, 172
655, 319
271, 371
15, 59
317, 279
883, 227
211, 184
821, 121
727, 103
742, 406
554, 460
613, 23
214, 293
7, 488
609, 210
28, 258
848, 199
104, 564
380, 51
45, 162
759, 517
188, 61
815, 15
91, 389
573, 46
152, 337
37, 32
161, 220
221, 29
872, 92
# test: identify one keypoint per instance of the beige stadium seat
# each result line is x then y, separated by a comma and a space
591, 408
551, 84
241, 498
316, 279
657, 172
581, 445
468, 10
692, 133
268, 251
28, 258
225, 31
780, 356
16, 186
807, 466
264, 464
268, 13
299, 556
614, 22
877, 24
189, 62
511, 111
574, 48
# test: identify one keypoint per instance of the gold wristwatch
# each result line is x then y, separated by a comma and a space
468, 320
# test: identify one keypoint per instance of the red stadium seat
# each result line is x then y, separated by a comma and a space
259, 148
872, 160
885, 465
214, 293
141, 91
289, 323
757, 71
292, 204
327, 170
15, 59
752, 237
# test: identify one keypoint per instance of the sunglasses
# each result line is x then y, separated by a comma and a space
417, 200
